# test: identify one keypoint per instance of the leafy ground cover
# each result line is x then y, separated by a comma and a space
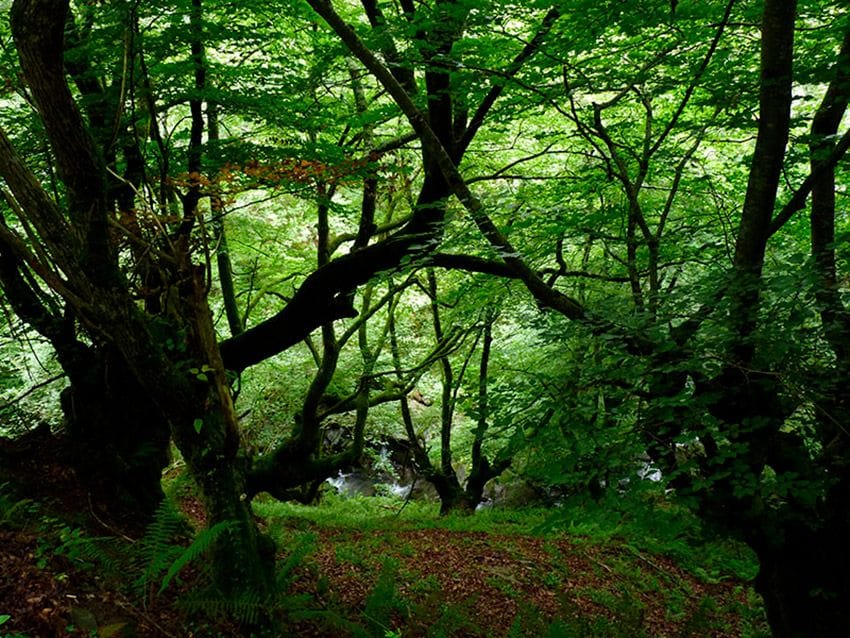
378, 567
502, 573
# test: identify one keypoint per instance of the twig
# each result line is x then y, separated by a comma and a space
680, 583
598, 562
408, 497
31, 390
144, 617
106, 525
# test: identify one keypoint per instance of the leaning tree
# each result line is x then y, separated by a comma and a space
105, 250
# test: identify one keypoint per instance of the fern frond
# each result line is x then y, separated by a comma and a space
15, 508
158, 548
246, 608
203, 541
306, 545
107, 552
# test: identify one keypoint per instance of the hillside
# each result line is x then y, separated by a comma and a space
377, 567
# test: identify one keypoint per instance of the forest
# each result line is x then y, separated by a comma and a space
424, 318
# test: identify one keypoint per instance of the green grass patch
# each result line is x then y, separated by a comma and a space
365, 513
646, 522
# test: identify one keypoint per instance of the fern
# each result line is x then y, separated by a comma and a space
157, 549
106, 552
247, 608
203, 541
16, 511
305, 546
384, 600
161, 555
10, 513
251, 608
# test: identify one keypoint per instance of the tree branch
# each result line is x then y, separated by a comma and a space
496, 90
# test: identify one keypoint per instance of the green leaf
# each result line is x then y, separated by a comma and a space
4, 618
198, 424
201, 544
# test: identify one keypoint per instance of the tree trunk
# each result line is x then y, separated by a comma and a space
799, 537
118, 439
449, 490
186, 382
205, 428
802, 579
242, 558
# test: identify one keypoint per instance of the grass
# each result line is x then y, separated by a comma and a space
640, 523
366, 513
622, 567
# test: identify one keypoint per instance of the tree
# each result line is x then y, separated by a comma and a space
453, 495
747, 400
151, 332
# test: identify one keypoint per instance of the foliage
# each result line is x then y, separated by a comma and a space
161, 557
29, 384
643, 520
315, 213
631, 559
648, 522
17, 511
383, 601
248, 609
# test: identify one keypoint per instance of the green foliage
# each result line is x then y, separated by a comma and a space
646, 521
57, 538
247, 608
615, 161
367, 513
16, 511
158, 548
251, 608
454, 620
384, 601
624, 620
199, 545
109, 556
624, 541
106, 553
303, 547
161, 557
30, 381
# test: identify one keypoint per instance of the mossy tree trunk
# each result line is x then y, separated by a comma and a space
115, 437
118, 440
185, 381
205, 429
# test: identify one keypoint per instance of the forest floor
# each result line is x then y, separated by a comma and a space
454, 583
416, 583
364, 567
493, 574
